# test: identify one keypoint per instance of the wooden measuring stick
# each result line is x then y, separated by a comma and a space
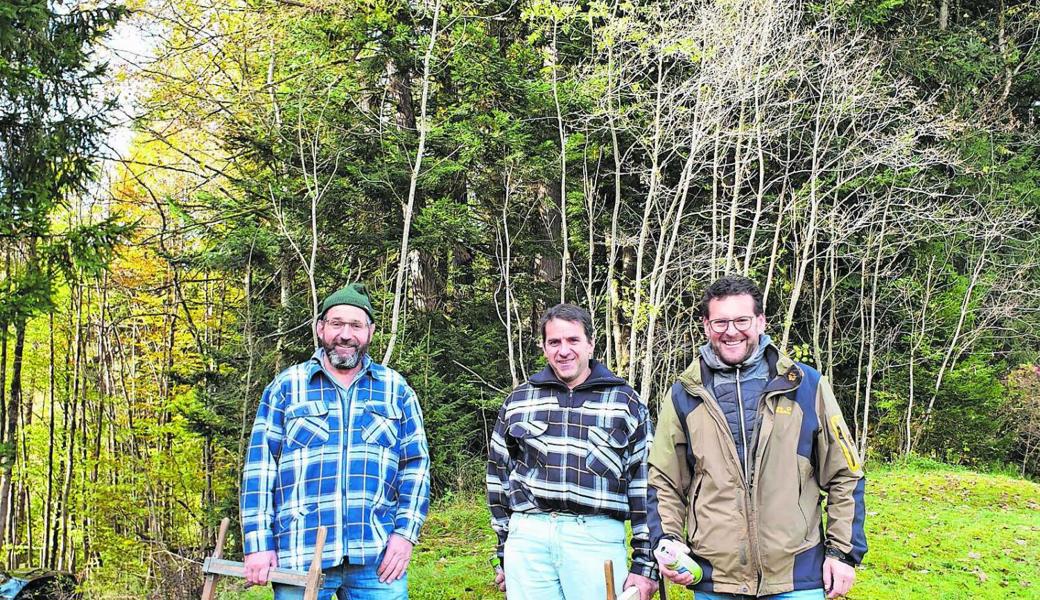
211, 579
608, 573
215, 566
314, 574
230, 568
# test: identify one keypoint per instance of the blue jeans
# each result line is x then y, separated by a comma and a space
816, 594
350, 582
552, 556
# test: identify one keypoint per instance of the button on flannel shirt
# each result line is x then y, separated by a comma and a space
580, 452
363, 476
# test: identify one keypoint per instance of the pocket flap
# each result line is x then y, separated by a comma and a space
310, 408
527, 429
614, 438
385, 409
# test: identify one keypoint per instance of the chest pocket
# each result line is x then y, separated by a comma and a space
607, 451
306, 425
526, 440
381, 423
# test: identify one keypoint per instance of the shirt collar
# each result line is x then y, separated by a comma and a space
599, 375
368, 366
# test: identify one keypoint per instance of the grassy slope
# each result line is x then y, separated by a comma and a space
934, 533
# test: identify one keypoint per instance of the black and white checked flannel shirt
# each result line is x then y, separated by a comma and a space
581, 451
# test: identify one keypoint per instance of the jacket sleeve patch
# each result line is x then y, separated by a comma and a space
841, 434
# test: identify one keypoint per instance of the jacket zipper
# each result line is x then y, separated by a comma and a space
752, 513
743, 430
766, 398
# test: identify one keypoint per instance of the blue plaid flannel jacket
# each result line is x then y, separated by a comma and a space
581, 451
358, 465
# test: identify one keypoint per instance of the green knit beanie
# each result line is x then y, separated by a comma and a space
354, 294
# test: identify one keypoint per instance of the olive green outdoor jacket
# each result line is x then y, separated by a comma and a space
765, 536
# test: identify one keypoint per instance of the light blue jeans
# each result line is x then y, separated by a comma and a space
350, 582
816, 594
552, 556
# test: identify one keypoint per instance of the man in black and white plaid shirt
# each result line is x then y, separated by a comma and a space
567, 468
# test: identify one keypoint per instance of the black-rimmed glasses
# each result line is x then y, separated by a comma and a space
722, 325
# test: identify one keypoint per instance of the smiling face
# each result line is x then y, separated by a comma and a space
734, 346
568, 351
344, 333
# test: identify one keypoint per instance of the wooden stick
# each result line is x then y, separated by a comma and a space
608, 573
314, 574
230, 568
209, 587
311, 581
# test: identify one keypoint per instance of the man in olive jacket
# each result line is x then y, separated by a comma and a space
747, 442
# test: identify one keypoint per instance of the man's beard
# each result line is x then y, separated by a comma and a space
752, 346
349, 361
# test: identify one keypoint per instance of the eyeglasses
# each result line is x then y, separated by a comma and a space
722, 325
336, 325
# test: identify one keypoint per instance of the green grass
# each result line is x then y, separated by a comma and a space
935, 533
950, 534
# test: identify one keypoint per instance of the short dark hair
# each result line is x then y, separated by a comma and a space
567, 312
732, 285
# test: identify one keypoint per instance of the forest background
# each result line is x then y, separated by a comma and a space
873, 163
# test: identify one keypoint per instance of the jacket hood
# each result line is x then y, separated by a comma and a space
599, 376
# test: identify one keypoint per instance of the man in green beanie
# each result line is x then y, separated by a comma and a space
338, 441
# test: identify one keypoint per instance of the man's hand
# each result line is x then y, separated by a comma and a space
837, 577
673, 576
395, 560
500, 580
646, 586
257, 566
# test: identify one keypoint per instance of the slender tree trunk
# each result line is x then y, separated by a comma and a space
774, 249
11, 433
759, 193
862, 338
250, 347
872, 336
917, 333
3, 414
662, 261
817, 312
424, 127
715, 211
832, 321
47, 557
738, 177
612, 329
949, 356
1008, 73
67, 555
284, 297
803, 259
644, 229
25, 510
564, 233
589, 189
505, 252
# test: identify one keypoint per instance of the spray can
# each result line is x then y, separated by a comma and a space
631, 593
677, 561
